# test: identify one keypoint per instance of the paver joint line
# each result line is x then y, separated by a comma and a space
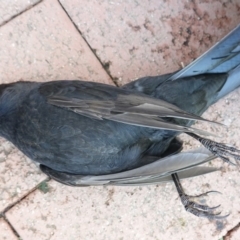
20, 13
104, 65
231, 231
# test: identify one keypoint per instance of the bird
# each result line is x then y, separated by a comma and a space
86, 133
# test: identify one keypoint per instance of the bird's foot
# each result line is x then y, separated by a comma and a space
193, 207
219, 149
200, 210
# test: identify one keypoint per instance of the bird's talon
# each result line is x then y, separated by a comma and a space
193, 207
218, 149
206, 193
226, 160
209, 215
212, 208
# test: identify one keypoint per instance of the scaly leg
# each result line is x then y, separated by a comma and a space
218, 149
193, 207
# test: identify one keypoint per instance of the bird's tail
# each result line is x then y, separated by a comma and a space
221, 58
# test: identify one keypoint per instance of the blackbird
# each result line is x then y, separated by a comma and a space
86, 133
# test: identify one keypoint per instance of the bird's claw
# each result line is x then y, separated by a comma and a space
223, 151
193, 207
205, 194
200, 210
219, 149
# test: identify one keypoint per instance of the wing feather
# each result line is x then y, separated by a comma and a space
184, 163
92, 100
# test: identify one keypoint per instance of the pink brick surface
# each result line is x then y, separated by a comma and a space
18, 175
42, 44
9, 9
150, 37
234, 235
6, 232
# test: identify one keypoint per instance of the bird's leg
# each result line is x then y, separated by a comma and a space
196, 209
218, 149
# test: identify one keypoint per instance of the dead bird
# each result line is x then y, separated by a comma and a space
86, 133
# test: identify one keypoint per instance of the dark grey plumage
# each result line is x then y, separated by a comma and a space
85, 133
82, 127
92, 129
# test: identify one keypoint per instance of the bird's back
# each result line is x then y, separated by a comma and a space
74, 143
70, 142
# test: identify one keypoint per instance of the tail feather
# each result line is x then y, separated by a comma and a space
221, 58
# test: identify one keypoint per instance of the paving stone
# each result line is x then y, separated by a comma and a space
9, 9
151, 37
18, 175
6, 232
42, 44
234, 235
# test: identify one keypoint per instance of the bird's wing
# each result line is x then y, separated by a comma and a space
100, 101
222, 57
184, 163
188, 173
